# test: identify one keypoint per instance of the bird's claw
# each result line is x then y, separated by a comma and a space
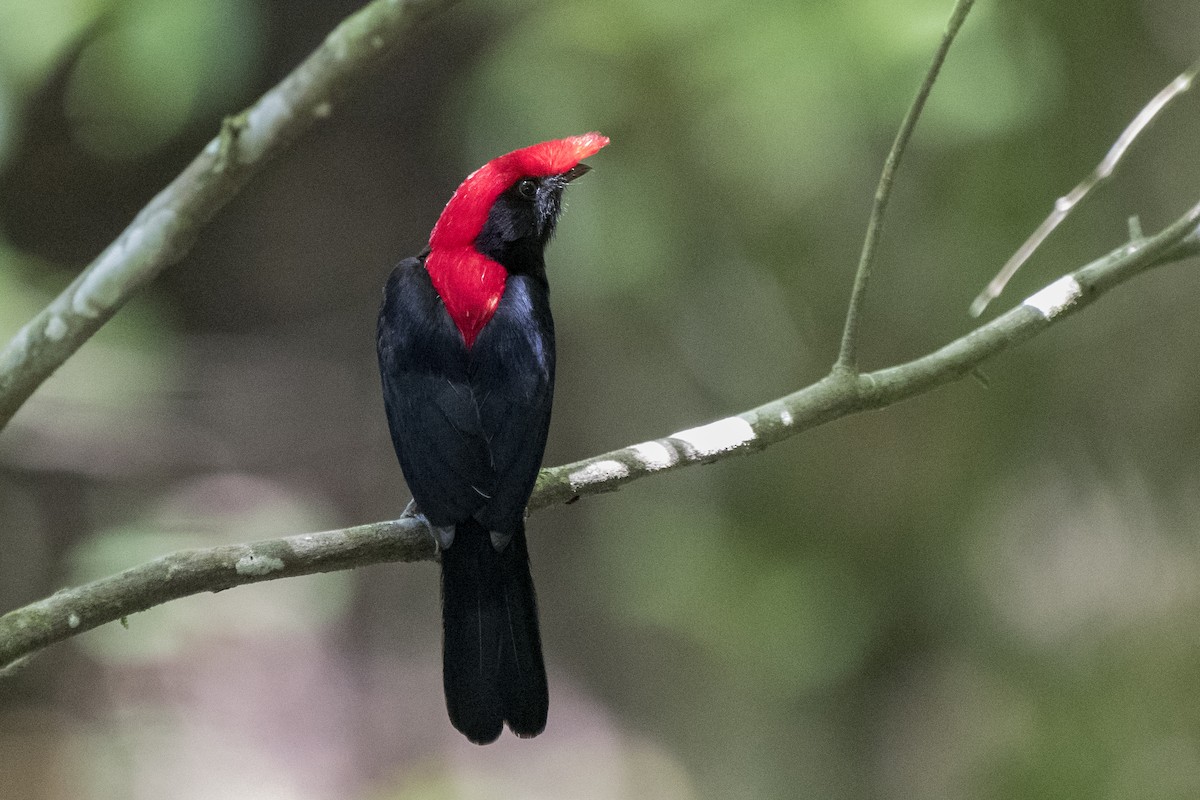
443, 535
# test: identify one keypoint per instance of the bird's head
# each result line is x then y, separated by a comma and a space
507, 209
497, 224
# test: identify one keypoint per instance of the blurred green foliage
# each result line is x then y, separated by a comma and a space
984, 593
151, 69
146, 67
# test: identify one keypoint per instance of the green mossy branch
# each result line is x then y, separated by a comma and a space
73, 611
164, 230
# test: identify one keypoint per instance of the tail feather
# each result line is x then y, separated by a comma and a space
492, 653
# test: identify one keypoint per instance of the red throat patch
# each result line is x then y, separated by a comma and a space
469, 283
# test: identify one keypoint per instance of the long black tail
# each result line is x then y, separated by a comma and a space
491, 653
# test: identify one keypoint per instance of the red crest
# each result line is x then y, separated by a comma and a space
470, 283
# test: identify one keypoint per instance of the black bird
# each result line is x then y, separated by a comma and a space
466, 354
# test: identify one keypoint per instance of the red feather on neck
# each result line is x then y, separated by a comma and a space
469, 283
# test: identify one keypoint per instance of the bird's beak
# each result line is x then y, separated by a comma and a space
575, 171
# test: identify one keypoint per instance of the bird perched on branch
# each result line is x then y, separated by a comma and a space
466, 354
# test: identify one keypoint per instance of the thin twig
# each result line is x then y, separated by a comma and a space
1103, 171
847, 359
163, 232
73, 611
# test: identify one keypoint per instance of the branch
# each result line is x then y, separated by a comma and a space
73, 611
163, 232
847, 359
1103, 171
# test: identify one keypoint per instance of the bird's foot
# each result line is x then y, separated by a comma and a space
443, 535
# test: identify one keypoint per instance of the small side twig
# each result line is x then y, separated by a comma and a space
847, 360
1103, 171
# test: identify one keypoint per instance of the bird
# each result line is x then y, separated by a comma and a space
465, 341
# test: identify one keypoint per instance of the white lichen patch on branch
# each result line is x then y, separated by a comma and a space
1056, 298
785, 417
653, 455
338, 43
597, 472
257, 565
95, 293
73, 620
56, 328
262, 124
132, 259
20, 342
307, 543
717, 437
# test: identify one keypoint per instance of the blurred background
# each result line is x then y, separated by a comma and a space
982, 593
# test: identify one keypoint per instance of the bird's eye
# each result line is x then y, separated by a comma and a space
527, 188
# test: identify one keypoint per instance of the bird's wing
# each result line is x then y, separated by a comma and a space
431, 409
512, 376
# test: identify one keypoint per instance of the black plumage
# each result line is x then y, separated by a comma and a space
469, 425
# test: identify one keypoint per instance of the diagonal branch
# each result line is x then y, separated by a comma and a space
72, 611
847, 359
1064, 205
163, 232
